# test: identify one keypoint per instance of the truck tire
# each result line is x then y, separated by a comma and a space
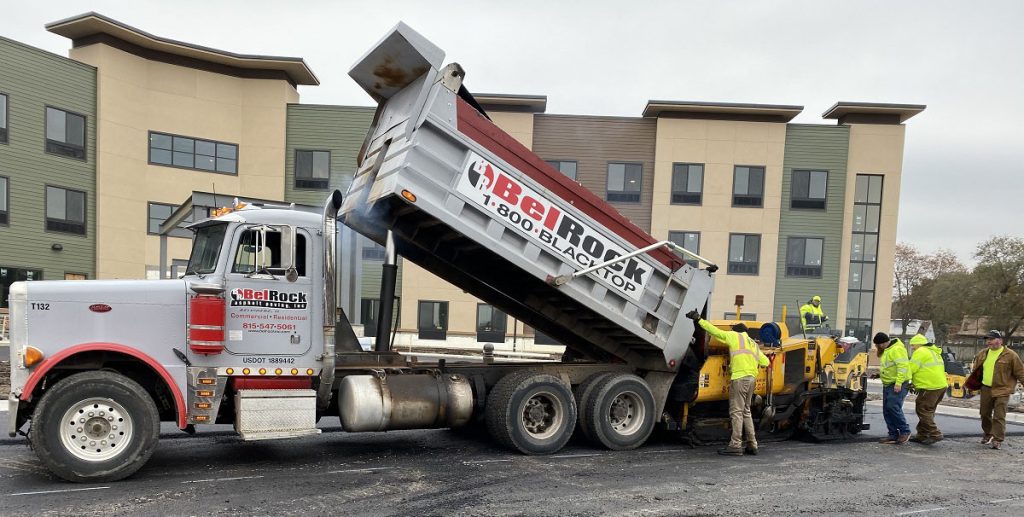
620, 413
531, 413
95, 426
583, 393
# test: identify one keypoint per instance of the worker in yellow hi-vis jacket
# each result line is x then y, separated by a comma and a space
745, 357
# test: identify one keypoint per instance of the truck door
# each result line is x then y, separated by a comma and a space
268, 308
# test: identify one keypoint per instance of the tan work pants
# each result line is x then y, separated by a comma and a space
927, 401
741, 391
993, 414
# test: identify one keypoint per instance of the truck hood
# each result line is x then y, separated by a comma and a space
147, 315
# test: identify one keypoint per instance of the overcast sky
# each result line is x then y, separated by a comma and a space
963, 174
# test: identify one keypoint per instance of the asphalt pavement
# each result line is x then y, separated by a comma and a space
439, 472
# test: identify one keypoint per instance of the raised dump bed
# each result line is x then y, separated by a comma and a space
467, 202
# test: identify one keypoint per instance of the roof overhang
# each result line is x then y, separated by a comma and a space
91, 28
207, 200
872, 112
722, 111
514, 103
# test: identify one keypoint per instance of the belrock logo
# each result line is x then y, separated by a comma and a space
268, 298
540, 220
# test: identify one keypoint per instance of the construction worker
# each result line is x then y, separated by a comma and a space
895, 376
1001, 370
745, 357
811, 314
928, 375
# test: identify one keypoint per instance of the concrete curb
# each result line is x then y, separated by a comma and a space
961, 412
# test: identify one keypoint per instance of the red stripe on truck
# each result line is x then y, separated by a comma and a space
41, 370
482, 131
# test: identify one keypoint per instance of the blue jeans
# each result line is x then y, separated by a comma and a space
892, 410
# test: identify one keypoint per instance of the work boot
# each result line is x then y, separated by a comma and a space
904, 438
996, 444
927, 441
987, 439
731, 451
937, 438
888, 440
752, 451
916, 439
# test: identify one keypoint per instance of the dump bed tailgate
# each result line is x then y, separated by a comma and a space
471, 204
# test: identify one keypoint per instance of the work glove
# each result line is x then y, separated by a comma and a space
824, 318
693, 315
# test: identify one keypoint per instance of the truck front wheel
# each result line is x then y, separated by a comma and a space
620, 412
531, 413
95, 427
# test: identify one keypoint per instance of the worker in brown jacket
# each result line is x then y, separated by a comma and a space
1002, 369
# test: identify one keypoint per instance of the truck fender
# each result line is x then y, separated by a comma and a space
50, 362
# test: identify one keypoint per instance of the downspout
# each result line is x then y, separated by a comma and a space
329, 229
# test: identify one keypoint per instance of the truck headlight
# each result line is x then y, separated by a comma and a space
31, 356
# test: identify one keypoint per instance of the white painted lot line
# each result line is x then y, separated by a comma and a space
1004, 500
484, 461
211, 480
940, 508
567, 456
664, 451
353, 471
60, 491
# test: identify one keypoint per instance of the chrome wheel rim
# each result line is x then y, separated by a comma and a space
543, 415
96, 429
626, 413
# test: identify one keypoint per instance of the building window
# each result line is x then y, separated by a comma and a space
373, 251
432, 320
565, 167
744, 316
369, 310
65, 210
159, 212
687, 183
748, 186
3, 118
9, 275
808, 189
624, 180
192, 153
689, 241
312, 169
65, 133
860, 294
744, 254
5, 199
491, 324
803, 257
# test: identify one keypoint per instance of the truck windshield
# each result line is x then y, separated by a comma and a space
205, 249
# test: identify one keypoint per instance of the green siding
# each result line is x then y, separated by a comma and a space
33, 79
816, 147
340, 130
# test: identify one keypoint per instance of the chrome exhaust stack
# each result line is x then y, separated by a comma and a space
329, 228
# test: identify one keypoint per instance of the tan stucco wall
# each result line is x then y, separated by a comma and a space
418, 284
518, 125
135, 96
720, 145
874, 149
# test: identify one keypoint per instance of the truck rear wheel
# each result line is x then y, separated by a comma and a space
620, 413
531, 413
584, 392
95, 427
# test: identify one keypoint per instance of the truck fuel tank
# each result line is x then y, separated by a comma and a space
405, 401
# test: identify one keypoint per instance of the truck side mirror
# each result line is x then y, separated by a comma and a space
288, 240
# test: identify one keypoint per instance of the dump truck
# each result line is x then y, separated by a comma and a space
252, 335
